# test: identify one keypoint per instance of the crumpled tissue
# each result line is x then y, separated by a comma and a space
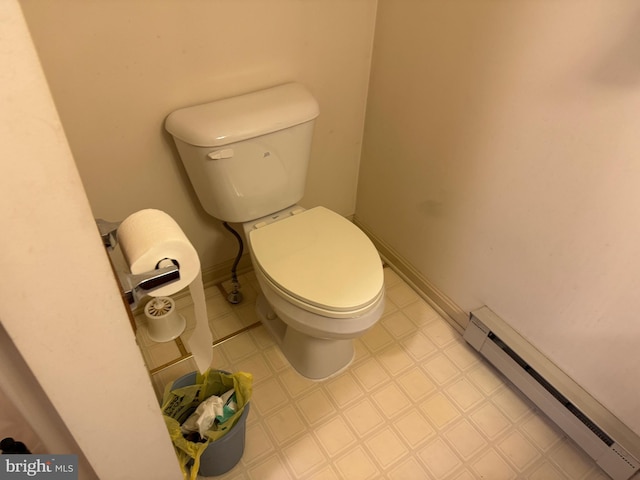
213, 409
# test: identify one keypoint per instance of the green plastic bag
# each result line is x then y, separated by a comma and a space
178, 404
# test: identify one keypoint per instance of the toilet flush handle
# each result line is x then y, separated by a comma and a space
220, 154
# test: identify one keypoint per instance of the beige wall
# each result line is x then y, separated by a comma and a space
69, 361
501, 160
117, 69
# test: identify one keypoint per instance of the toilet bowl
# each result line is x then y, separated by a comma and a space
322, 285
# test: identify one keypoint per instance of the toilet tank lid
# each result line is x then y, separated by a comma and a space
245, 116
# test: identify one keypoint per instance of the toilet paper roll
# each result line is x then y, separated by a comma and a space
149, 236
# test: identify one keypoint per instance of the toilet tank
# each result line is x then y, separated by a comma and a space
247, 156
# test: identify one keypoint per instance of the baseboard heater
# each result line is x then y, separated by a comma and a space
613, 446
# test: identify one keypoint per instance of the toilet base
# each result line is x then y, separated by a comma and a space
313, 357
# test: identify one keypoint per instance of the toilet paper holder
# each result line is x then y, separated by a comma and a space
136, 286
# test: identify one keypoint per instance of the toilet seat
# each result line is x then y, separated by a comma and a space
319, 261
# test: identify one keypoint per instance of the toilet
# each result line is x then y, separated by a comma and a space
320, 276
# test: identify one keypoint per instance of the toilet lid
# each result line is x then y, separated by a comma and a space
319, 258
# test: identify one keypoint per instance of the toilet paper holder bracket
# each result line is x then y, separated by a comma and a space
108, 232
136, 286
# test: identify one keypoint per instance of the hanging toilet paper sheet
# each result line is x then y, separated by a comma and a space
148, 237
200, 341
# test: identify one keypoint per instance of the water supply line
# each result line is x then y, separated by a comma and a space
235, 296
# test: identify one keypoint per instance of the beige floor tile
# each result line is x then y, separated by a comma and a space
439, 459
408, 469
316, 407
416, 384
462, 355
464, 394
545, 471
325, 473
257, 444
415, 403
304, 455
418, 346
401, 294
335, 436
225, 325
414, 428
391, 400
440, 410
363, 417
465, 440
257, 365
421, 313
541, 432
161, 353
490, 420
511, 403
344, 390
361, 351
356, 465
276, 359
262, 338
391, 278
370, 374
485, 378
273, 468
377, 338
217, 306
239, 347
441, 333
268, 396
395, 360
491, 465
441, 369
463, 475
518, 450
295, 384
398, 324
285, 424
386, 447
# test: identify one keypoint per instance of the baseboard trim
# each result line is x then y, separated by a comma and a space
457, 317
222, 272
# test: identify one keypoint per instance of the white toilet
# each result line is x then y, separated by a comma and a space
321, 277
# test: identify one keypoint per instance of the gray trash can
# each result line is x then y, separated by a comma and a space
223, 454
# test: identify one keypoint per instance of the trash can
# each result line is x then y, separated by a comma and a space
221, 454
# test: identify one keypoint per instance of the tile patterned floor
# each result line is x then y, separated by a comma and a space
416, 403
